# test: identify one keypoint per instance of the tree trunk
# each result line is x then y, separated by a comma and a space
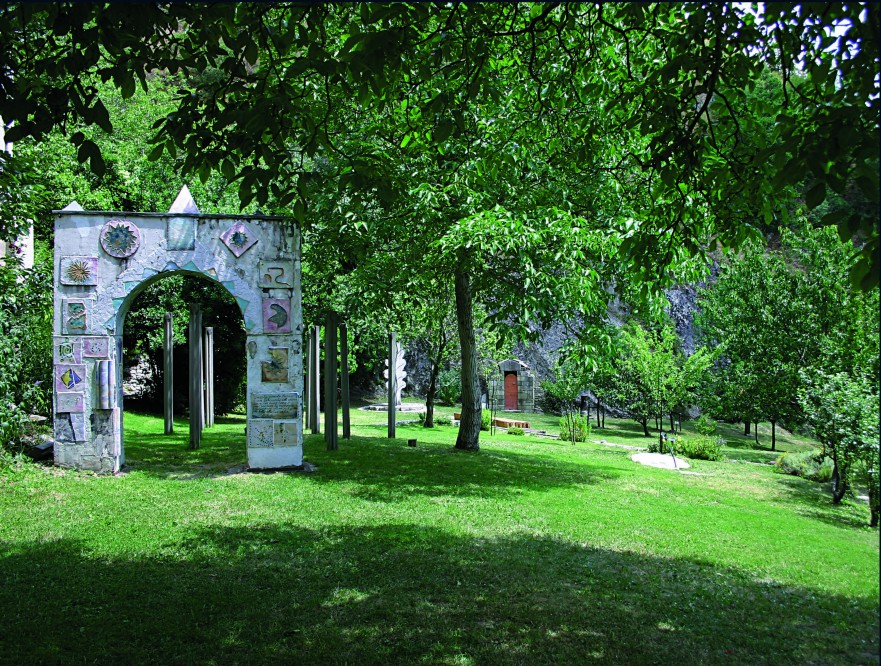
773, 435
645, 427
745, 428
468, 438
873, 503
756, 433
429, 395
839, 483
672, 424
604, 417
598, 413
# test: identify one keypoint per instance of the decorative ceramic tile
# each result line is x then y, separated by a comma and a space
181, 233
78, 271
275, 370
277, 274
276, 315
67, 350
106, 382
238, 238
70, 427
74, 316
252, 349
69, 376
96, 347
260, 432
70, 402
285, 433
120, 238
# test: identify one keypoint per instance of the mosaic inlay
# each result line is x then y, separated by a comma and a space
72, 402
260, 432
74, 316
96, 347
238, 238
120, 238
276, 368
181, 233
67, 350
277, 274
276, 315
69, 376
79, 271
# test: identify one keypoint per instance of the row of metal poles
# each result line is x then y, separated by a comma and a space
201, 376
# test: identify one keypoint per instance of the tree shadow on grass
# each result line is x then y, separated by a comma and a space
396, 593
388, 471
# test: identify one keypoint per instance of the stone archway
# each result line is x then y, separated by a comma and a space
103, 260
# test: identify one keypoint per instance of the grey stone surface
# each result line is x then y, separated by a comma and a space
84, 442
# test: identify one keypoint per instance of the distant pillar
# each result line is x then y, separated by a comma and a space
168, 379
392, 391
315, 381
330, 383
195, 382
208, 365
307, 370
344, 380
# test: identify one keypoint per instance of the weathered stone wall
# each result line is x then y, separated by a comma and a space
255, 258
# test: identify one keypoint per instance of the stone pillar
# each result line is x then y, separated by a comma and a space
315, 381
208, 365
392, 389
330, 383
344, 380
168, 375
307, 369
195, 379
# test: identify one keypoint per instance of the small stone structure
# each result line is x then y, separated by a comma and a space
104, 260
513, 388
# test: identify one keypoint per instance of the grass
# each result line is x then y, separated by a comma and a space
531, 551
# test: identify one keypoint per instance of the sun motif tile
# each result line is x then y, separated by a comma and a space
79, 271
238, 238
120, 238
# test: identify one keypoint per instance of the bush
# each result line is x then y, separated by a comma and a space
699, 448
574, 425
705, 425
443, 420
514, 430
449, 386
485, 419
811, 465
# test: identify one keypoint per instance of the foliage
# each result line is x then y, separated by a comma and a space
562, 392
485, 420
25, 344
811, 465
705, 425
450, 386
443, 420
574, 428
699, 448
514, 430
842, 411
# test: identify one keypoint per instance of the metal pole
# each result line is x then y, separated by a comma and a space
315, 393
168, 378
344, 380
392, 389
208, 353
195, 378
330, 383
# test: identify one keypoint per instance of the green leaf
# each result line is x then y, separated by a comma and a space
816, 195
156, 153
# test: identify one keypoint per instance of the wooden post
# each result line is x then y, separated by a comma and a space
344, 380
330, 383
208, 364
168, 375
315, 382
195, 378
307, 368
392, 392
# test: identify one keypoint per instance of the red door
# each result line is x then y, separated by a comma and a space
511, 391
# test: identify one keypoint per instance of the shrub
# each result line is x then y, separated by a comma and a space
699, 448
443, 420
811, 465
705, 425
449, 386
485, 419
514, 430
574, 428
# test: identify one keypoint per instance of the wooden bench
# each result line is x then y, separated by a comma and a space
501, 423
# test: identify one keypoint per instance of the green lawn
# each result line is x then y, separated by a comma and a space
531, 551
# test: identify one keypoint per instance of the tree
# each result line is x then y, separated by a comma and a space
843, 413
564, 391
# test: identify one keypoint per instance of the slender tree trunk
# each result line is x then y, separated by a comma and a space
598, 413
645, 427
873, 503
756, 433
604, 417
672, 424
839, 481
468, 438
745, 428
773, 435
429, 395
